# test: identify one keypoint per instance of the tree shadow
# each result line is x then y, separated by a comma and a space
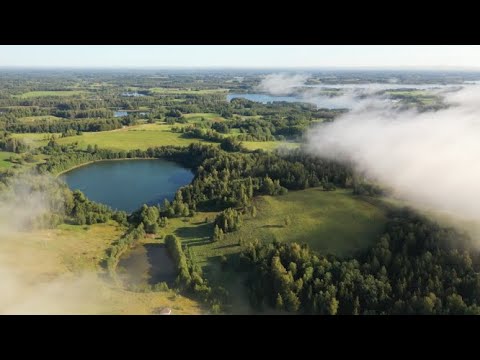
227, 246
197, 242
161, 265
272, 226
200, 231
200, 223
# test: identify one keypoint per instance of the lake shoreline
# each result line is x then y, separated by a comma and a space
96, 161
126, 184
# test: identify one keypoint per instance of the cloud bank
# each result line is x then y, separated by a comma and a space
32, 279
282, 83
429, 158
279, 84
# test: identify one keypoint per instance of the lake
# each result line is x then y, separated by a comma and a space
120, 113
346, 98
147, 264
128, 184
132, 94
327, 102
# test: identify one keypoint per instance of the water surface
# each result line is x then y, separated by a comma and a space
128, 184
147, 264
120, 113
327, 102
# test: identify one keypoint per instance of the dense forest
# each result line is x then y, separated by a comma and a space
416, 267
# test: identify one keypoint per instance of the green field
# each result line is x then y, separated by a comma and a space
423, 96
29, 119
141, 136
407, 92
61, 270
330, 222
335, 222
34, 94
35, 139
4, 163
134, 137
137, 137
269, 145
197, 117
168, 91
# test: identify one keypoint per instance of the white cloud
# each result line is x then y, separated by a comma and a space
282, 83
429, 158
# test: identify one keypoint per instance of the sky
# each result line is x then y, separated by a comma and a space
242, 56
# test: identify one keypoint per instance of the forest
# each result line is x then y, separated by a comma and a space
415, 266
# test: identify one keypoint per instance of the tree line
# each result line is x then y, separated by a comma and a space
11, 144
416, 267
190, 277
63, 126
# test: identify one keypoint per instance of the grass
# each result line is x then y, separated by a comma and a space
67, 259
335, 222
329, 222
134, 137
4, 156
30, 119
35, 139
61, 269
140, 137
65, 93
168, 91
422, 96
253, 117
197, 117
407, 92
5, 162
269, 145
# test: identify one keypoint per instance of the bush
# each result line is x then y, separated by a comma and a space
161, 286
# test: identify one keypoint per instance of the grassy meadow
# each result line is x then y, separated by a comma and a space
171, 91
141, 137
197, 117
61, 267
63, 93
4, 156
45, 118
135, 137
335, 222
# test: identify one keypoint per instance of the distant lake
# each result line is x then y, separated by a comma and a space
128, 184
120, 113
334, 102
132, 94
346, 98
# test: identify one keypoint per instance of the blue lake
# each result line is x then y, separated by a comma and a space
327, 102
128, 184
120, 113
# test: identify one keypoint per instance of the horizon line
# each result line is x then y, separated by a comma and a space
216, 67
